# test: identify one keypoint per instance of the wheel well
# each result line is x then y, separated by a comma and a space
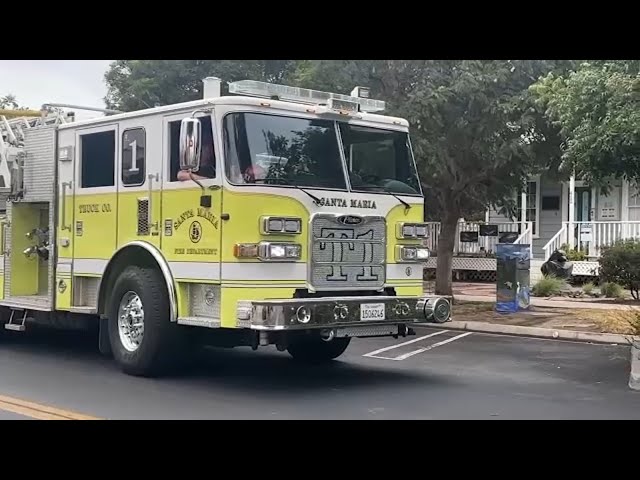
129, 255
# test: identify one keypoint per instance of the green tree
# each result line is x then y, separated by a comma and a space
476, 131
139, 84
9, 101
597, 110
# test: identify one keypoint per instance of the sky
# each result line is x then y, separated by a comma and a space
34, 82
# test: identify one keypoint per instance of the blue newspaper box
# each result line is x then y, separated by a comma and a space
513, 273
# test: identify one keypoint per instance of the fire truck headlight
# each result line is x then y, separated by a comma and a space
281, 225
279, 251
410, 253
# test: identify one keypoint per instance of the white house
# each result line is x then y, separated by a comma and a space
551, 214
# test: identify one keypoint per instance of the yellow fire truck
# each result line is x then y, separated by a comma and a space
270, 216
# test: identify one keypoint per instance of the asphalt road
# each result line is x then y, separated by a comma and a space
439, 375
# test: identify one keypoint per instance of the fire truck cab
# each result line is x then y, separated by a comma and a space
271, 216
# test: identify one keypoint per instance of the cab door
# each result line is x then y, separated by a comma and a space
139, 181
190, 232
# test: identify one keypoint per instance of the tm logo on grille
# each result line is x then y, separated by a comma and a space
349, 220
354, 252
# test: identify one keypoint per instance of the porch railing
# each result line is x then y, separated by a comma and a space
471, 241
555, 243
526, 237
591, 237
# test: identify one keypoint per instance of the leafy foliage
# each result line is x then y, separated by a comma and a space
573, 254
597, 109
620, 263
138, 84
9, 101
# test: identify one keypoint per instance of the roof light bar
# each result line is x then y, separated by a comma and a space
302, 95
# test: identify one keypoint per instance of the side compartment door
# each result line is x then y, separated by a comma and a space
67, 160
95, 200
191, 232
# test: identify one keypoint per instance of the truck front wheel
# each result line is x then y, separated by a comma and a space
143, 340
314, 349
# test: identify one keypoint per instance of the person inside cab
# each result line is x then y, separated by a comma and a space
207, 158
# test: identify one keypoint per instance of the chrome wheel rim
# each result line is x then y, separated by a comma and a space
131, 321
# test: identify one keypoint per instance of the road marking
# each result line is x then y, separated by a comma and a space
39, 411
425, 349
375, 352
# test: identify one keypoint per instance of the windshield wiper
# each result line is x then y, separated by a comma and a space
407, 206
316, 200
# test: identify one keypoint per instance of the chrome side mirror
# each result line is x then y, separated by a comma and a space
190, 144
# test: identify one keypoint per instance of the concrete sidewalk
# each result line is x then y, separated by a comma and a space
553, 303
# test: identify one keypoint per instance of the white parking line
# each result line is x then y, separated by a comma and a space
425, 349
375, 352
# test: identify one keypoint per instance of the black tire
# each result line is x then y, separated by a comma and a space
163, 342
314, 350
5, 315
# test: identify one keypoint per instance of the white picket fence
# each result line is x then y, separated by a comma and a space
476, 241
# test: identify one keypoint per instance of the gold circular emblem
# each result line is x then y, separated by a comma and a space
195, 232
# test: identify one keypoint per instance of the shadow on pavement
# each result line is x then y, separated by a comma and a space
264, 371
270, 370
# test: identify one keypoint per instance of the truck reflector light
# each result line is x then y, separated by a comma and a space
301, 95
282, 225
412, 230
245, 250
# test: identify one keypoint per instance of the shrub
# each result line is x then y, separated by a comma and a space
573, 255
549, 286
588, 288
620, 263
612, 290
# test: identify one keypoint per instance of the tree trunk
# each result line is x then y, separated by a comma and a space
446, 242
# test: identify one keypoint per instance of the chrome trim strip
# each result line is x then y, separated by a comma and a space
164, 268
338, 312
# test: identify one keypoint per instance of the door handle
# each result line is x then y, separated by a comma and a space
150, 221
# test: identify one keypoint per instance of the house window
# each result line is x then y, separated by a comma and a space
634, 203
532, 205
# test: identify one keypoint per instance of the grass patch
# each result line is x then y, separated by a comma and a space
471, 307
612, 290
549, 286
624, 322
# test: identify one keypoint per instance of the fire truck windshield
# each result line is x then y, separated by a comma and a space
287, 151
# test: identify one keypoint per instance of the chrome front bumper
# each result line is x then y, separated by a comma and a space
338, 312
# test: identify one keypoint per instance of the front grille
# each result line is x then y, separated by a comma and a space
347, 256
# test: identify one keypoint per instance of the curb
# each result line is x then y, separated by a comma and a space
559, 304
539, 332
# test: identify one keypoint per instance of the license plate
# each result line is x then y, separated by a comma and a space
372, 311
